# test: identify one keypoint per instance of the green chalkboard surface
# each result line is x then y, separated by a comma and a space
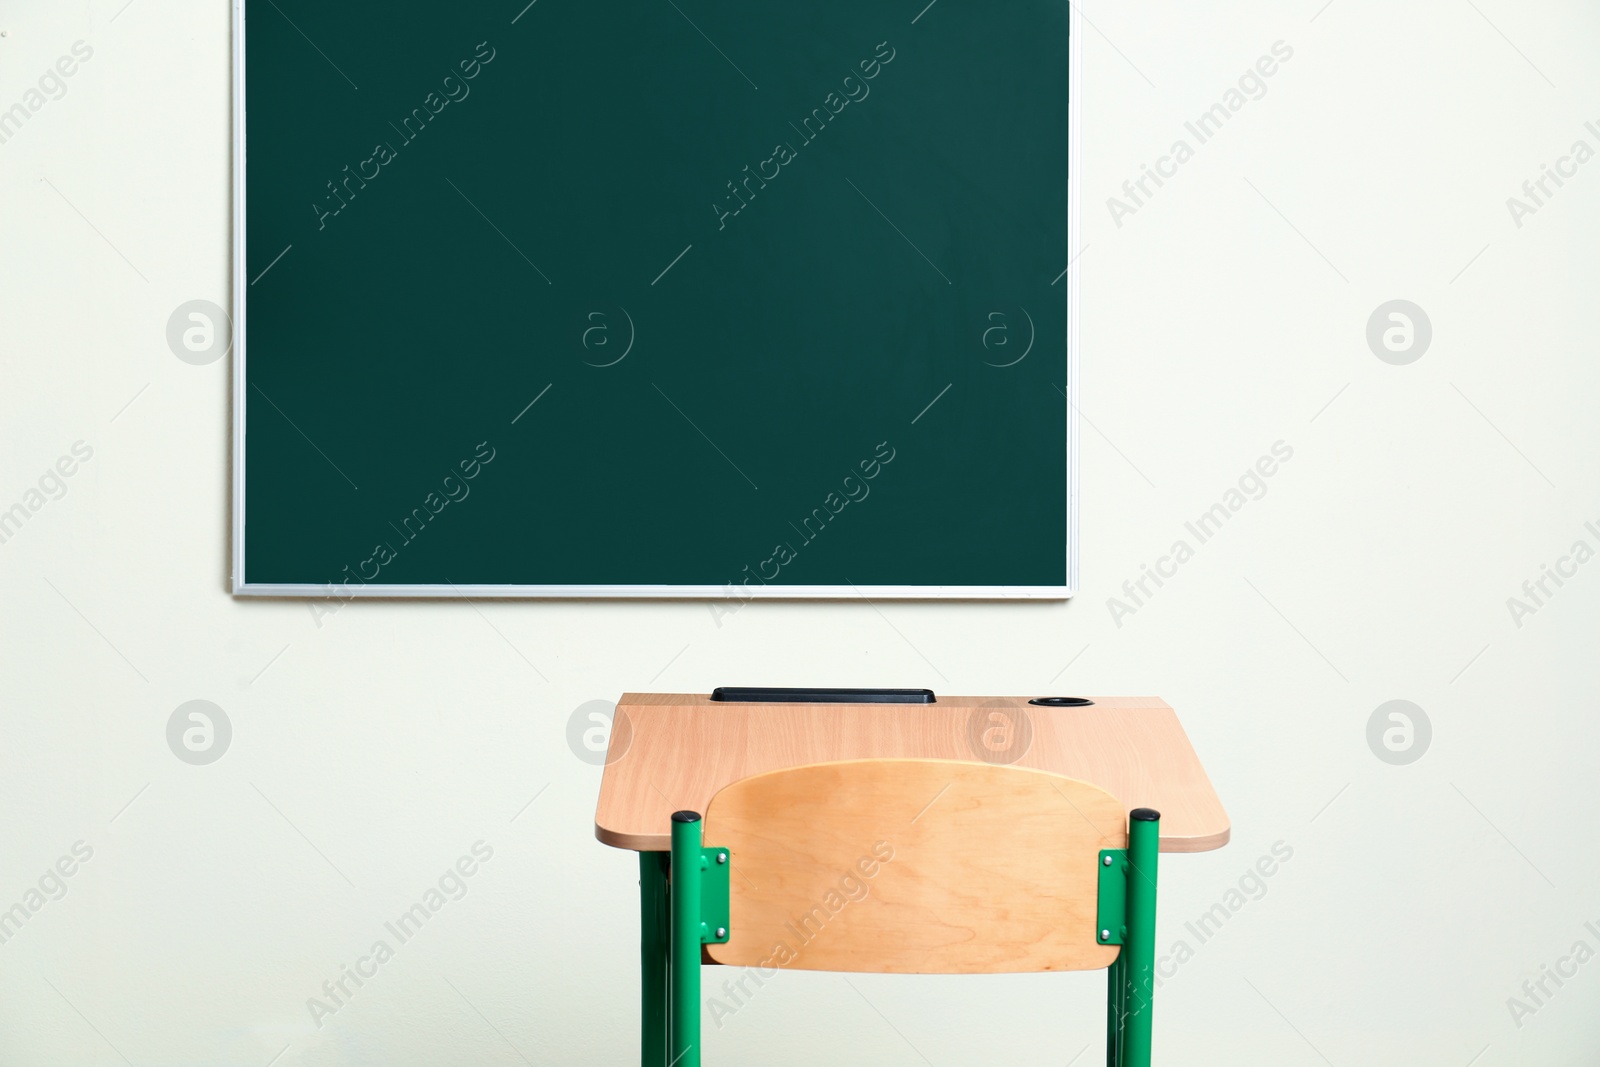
653, 297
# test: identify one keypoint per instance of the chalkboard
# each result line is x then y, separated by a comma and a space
653, 298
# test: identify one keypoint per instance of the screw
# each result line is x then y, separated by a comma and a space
722, 931
1108, 861
722, 857
1105, 935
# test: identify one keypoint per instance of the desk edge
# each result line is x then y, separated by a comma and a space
663, 842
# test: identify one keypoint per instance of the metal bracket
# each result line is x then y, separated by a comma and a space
1111, 914
715, 864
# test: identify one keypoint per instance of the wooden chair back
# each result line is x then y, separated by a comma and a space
914, 866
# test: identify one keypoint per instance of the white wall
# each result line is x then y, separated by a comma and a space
1226, 314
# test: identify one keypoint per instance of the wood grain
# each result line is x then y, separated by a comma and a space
914, 867
674, 751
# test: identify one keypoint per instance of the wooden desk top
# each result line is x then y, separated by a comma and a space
674, 751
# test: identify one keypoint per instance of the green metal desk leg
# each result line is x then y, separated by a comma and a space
687, 933
653, 934
1115, 1009
1139, 947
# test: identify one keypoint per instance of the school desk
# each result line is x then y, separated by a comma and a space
670, 754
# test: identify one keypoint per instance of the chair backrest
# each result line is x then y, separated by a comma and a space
914, 866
